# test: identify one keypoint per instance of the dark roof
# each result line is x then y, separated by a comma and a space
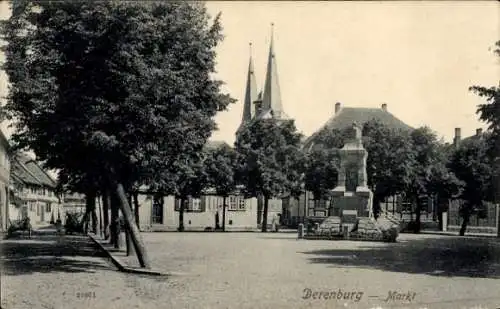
40, 174
20, 172
347, 115
26, 170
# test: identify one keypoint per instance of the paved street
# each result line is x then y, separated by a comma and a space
254, 270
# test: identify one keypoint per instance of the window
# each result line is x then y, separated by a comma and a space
237, 203
38, 210
232, 203
195, 204
242, 204
48, 207
32, 206
157, 211
191, 205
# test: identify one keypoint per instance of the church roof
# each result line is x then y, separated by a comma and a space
347, 115
271, 99
250, 93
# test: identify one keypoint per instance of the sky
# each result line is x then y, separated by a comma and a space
418, 57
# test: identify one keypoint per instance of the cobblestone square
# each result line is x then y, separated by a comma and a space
256, 270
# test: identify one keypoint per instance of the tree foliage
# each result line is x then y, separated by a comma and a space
472, 165
123, 86
390, 162
489, 112
270, 159
116, 88
321, 174
220, 165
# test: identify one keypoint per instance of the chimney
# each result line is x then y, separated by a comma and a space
457, 138
337, 107
479, 132
384, 107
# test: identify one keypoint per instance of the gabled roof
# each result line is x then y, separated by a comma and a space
347, 115
40, 174
20, 173
25, 169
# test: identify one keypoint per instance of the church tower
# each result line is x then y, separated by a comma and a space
271, 99
250, 93
267, 103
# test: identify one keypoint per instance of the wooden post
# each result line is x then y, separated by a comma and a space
300, 231
444, 219
105, 209
135, 234
498, 219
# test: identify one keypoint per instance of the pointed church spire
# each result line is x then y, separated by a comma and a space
250, 92
272, 96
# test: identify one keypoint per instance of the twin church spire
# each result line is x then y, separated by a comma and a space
268, 104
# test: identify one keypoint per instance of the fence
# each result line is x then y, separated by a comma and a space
487, 224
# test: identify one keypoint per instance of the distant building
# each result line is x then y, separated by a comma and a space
74, 202
4, 182
33, 193
345, 116
200, 213
298, 210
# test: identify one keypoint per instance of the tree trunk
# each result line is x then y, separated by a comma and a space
463, 228
134, 230
417, 216
181, 216
376, 206
136, 208
264, 214
114, 224
130, 244
224, 198
100, 215
85, 221
94, 221
105, 210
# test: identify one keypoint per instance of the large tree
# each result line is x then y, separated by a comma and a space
322, 163
430, 177
489, 112
114, 87
269, 150
390, 161
321, 173
220, 165
472, 165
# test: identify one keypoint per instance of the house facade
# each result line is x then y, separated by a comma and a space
306, 207
33, 192
162, 214
4, 182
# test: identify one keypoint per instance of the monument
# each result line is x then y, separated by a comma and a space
352, 198
351, 212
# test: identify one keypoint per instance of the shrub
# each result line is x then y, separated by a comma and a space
391, 234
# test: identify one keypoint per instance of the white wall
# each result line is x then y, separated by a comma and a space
240, 220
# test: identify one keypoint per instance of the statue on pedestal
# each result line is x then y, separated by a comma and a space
352, 192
